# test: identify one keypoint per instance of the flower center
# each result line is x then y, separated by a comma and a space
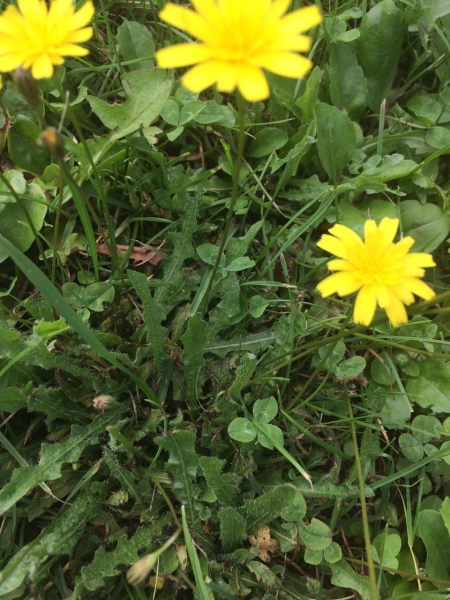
378, 270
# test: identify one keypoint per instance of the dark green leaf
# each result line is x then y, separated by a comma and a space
136, 42
379, 47
348, 86
336, 139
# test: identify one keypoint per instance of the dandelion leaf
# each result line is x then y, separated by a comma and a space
153, 315
233, 528
182, 464
252, 342
171, 292
136, 44
105, 564
224, 485
242, 375
336, 139
194, 341
379, 47
282, 500
146, 92
59, 538
53, 456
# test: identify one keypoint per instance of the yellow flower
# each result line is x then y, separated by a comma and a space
381, 271
239, 38
36, 37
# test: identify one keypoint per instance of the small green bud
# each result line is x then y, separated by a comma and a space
402, 358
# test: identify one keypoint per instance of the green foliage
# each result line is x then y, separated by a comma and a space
227, 422
58, 538
146, 92
245, 430
336, 139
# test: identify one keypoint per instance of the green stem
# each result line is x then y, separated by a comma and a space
321, 364
365, 520
234, 194
55, 257
282, 451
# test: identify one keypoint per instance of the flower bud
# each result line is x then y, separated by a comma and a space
139, 571
27, 86
103, 402
51, 139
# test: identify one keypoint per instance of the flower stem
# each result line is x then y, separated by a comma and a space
234, 194
365, 520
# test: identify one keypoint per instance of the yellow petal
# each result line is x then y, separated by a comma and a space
228, 77
413, 272
253, 84
72, 50
286, 64
186, 20
370, 227
332, 245
9, 62
31, 9
207, 9
403, 293
347, 235
342, 283
293, 43
401, 248
382, 295
389, 228
182, 55
365, 305
82, 35
83, 16
301, 20
419, 288
340, 265
42, 67
202, 76
277, 9
396, 311
419, 259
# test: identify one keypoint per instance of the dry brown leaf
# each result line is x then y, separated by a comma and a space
139, 254
264, 543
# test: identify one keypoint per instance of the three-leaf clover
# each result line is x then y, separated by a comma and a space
245, 430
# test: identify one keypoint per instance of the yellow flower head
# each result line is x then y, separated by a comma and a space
238, 39
381, 271
36, 37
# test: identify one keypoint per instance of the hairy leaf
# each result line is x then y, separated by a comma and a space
224, 485
53, 456
167, 295
183, 464
194, 341
233, 528
105, 564
268, 507
153, 315
58, 538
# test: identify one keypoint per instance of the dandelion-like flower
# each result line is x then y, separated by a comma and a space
36, 37
381, 271
238, 39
